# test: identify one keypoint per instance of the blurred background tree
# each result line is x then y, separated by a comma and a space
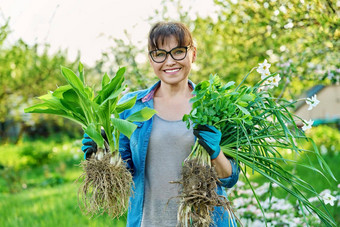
27, 72
299, 38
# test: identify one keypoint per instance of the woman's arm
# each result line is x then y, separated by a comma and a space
222, 166
227, 170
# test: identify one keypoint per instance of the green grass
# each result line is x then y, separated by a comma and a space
43, 193
52, 206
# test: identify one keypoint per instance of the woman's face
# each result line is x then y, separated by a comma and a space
171, 71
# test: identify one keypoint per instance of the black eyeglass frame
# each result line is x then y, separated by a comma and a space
169, 53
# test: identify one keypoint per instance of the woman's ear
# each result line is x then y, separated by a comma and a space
194, 54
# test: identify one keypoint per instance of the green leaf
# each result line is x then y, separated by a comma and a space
228, 85
81, 72
128, 104
43, 108
60, 91
142, 115
95, 135
243, 104
89, 92
105, 80
244, 110
248, 97
124, 126
73, 80
112, 89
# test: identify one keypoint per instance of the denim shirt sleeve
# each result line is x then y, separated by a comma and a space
124, 144
125, 152
230, 181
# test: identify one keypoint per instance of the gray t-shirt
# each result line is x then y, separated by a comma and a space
170, 143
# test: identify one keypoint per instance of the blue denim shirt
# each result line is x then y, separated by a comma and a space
133, 152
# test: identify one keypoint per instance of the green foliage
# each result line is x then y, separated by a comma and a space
326, 138
300, 37
26, 72
256, 127
78, 102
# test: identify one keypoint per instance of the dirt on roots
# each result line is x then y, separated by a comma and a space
105, 187
198, 195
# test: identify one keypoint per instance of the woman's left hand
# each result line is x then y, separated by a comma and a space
209, 137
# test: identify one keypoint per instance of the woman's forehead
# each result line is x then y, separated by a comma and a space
167, 41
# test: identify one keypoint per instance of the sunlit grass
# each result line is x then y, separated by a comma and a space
55, 206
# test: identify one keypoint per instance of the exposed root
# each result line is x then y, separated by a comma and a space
105, 187
198, 195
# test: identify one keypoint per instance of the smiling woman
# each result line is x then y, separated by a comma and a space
156, 150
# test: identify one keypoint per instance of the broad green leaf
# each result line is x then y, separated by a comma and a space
81, 72
128, 104
71, 101
105, 80
53, 102
94, 134
111, 88
124, 126
44, 108
142, 115
73, 80
60, 91
89, 92
120, 71
113, 95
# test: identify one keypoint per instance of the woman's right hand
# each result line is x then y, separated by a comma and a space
89, 146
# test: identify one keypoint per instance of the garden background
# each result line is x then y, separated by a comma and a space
39, 154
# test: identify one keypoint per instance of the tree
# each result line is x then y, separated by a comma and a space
300, 38
26, 72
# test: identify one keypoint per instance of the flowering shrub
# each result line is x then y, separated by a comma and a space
277, 211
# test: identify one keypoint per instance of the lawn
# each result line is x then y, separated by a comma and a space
37, 185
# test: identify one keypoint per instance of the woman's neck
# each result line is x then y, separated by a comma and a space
172, 91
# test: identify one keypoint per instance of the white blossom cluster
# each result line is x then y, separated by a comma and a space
278, 211
263, 69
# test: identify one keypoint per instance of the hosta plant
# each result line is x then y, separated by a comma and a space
105, 181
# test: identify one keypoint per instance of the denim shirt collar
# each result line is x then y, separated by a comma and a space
148, 94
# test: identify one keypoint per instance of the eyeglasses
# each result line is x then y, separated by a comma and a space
177, 53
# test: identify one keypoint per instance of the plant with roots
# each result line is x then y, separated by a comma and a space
105, 181
256, 129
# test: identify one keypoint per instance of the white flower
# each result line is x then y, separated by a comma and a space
307, 125
323, 149
289, 25
276, 79
325, 192
263, 67
329, 199
264, 75
312, 102
283, 9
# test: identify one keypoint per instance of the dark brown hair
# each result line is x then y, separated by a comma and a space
162, 30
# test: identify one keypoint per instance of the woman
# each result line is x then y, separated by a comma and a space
157, 148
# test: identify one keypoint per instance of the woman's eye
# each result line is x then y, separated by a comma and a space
160, 54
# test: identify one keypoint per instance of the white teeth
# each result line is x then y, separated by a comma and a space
171, 70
